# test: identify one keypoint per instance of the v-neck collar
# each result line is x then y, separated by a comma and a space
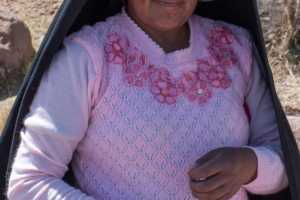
152, 49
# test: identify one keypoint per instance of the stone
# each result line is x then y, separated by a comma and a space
16, 51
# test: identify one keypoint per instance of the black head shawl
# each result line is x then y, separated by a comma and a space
75, 13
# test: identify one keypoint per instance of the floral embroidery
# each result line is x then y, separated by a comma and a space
220, 35
219, 78
203, 69
195, 89
134, 71
220, 39
196, 85
199, 92
114, 49
215, 75
223, 55
163, 86
186, 81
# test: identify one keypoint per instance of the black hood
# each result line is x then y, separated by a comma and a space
73, 14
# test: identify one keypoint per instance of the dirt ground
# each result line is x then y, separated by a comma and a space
37, 14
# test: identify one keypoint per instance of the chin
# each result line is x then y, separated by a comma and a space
168, 25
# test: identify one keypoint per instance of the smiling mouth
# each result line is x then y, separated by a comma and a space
171, 3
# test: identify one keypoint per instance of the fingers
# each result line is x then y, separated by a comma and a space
204, 168
230, 194
223, 192
209, 185
218, 174
226, 196
214, 195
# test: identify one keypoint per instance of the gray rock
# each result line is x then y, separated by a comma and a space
16, 50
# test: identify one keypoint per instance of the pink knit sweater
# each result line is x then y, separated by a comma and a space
133, 119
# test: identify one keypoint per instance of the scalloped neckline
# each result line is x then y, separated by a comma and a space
155, 49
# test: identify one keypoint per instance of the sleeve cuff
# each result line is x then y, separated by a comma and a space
271, 176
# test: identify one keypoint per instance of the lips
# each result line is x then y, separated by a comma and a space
169, 2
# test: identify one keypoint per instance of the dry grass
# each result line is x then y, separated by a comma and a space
5, 108
286, 74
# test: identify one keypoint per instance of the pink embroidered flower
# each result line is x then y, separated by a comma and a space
224, 56
203, 68
186, 81
162, 86
195, 89
180, 87
218, 77
196, 85
220, 35
135, 69
136, 57
139, 79
215, 75
219, 47
114, 48
199, 92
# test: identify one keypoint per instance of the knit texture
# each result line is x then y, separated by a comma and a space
158, 113
132, 119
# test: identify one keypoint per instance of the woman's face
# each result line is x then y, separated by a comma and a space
161, 15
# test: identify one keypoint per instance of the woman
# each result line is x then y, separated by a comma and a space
148, 109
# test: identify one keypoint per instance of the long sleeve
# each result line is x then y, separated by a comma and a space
57, 121
264, 137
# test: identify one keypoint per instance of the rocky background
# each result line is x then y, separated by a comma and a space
23, 24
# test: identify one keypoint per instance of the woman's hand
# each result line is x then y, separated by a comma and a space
220, 173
